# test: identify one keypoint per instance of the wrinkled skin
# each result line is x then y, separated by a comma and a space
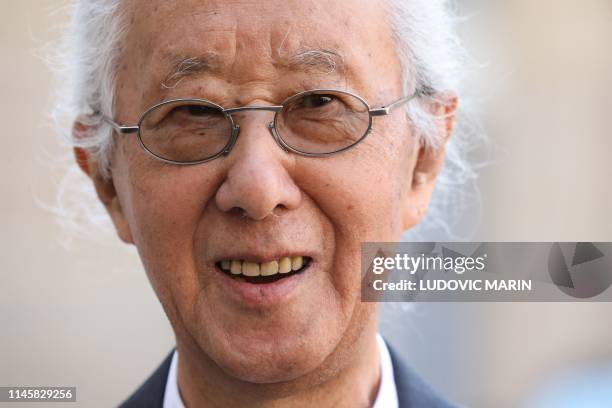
317, 343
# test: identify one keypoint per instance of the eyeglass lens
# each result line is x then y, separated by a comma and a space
318, 122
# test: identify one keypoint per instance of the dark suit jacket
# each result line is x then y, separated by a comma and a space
412, 391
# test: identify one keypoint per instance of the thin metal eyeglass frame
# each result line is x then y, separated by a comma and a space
372, 112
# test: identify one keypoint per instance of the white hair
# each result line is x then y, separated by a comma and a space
428, 48
434, 61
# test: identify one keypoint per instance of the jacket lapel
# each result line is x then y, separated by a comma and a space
412, 391
151, 393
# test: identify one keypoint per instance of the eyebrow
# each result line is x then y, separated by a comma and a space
190, 66
327, 61
323, 61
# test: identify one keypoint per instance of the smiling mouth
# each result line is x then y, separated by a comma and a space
266, 272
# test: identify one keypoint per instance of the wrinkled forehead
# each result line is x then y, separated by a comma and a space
257, 39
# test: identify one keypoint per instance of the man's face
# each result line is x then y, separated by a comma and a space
260, 203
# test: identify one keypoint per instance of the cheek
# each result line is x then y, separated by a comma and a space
164, 205
362, 191
167, 206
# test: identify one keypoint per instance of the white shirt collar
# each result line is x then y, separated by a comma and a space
172, 398
387, 392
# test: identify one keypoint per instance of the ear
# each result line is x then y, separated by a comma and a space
104, 185
429, 161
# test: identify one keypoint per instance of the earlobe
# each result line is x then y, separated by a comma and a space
104, 186
105, 189
417, 203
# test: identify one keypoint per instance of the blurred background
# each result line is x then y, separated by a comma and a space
84, 314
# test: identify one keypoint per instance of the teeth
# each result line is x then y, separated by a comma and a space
236, 267
269, 268
248, 268
284, 266
297, 262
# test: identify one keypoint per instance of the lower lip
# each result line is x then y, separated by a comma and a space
262, 294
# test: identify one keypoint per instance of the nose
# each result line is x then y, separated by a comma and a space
257, 180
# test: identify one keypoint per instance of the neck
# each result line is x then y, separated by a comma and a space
350, 378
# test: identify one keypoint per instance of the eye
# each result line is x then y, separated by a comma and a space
196, 110
316, 101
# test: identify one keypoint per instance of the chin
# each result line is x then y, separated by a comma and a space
270, 346
283, 358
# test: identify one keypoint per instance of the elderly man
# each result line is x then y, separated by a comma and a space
247, 149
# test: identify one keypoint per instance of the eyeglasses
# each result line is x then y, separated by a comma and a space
316, 123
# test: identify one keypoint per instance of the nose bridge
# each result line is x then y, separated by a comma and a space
273, 108
249, 120
258, 177
253, 127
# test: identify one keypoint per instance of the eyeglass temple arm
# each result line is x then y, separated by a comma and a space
121, 129
385, 110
